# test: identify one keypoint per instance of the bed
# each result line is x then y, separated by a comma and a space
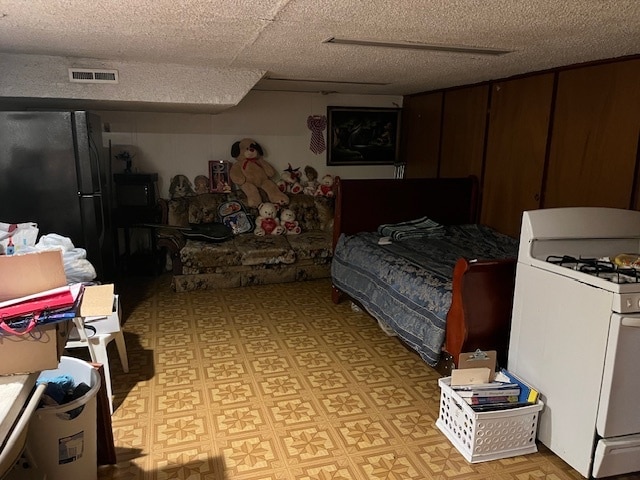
444, 290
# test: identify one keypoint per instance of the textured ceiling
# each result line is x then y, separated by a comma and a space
284, 38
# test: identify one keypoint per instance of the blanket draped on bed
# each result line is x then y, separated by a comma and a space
407, 285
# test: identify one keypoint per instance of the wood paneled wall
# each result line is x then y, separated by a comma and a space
421, 122
464, 121
566, 137
516, 148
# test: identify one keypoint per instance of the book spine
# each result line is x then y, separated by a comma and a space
489, 393
488, 407
489, 400
527, 393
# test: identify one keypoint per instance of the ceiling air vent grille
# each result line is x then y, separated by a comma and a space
90, 75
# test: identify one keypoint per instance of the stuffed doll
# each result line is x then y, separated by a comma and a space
267, 222
325, 189
252, 173
180, 186
310, 186
201, 183
289, 222
290, 180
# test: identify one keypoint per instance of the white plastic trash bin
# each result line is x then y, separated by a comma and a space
66, 448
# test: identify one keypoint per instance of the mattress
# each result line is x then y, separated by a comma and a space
407, 284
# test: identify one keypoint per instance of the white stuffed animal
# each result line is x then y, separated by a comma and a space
325, 189
267, 222
290, 181
289, 222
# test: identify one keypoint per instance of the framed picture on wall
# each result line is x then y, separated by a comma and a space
219, 181
363, 136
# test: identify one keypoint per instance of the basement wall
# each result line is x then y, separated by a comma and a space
183, 143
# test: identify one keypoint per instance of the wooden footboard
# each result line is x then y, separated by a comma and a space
480, 313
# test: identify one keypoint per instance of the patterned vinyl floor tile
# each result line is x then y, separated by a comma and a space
276, 382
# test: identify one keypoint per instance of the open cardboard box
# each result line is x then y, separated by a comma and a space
22, 275
35, 352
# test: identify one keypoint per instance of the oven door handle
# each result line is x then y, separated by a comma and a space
631, 322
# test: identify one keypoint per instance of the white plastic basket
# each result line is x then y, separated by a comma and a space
484, 436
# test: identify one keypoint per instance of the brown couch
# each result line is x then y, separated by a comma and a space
245, 259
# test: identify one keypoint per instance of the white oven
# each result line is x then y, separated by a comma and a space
575, 334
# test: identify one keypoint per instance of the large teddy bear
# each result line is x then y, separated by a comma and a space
252, 172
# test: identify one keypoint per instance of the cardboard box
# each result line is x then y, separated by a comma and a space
22, 275
36, 351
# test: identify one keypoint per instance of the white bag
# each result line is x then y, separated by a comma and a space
76, 266
22, 235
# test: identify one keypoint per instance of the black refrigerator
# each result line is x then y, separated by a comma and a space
55, 172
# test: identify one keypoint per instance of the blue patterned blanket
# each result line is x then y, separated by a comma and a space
407, 285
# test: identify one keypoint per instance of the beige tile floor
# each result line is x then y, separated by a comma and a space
275, 383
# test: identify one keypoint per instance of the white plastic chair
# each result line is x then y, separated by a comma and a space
97, 345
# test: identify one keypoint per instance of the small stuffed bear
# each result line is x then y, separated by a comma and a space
325, 189
252, 173
267, 222
289, 222
290, 180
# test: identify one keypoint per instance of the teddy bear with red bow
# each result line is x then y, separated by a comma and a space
252, 173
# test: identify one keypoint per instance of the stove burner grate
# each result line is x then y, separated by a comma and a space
597, 267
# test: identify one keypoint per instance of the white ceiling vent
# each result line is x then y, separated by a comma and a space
92, 75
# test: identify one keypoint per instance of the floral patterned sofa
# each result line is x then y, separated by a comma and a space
245, 259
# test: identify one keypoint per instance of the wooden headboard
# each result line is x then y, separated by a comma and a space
362, 205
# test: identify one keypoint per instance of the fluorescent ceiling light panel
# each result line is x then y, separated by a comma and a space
419, 46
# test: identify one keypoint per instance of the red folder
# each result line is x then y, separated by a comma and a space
35, 305
48, 302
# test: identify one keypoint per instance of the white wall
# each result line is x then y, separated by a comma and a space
180, 143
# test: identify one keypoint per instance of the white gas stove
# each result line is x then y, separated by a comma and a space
575, 333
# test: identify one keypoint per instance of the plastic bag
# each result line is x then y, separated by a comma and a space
76, 266
22, 236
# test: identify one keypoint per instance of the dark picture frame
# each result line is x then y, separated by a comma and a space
363, 136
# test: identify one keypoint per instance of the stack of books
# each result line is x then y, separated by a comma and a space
506, 391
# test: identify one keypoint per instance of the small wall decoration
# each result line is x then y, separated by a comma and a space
219, 181
363, 136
